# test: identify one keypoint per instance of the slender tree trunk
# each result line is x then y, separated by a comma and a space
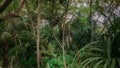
5, 55
63, 33
91, 23
38, 37
52, 12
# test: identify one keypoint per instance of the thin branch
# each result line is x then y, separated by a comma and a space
32, 22
7, 16
20, 43
56, 38
107, 18
20, 7
11, 62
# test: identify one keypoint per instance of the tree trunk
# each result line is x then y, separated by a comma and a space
38, 37
5, 55
91, 23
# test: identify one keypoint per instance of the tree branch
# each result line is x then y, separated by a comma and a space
5, 5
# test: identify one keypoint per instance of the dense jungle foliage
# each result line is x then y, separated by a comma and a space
59, 33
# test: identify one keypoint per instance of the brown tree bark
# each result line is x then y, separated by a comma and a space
38, 37
7, 16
